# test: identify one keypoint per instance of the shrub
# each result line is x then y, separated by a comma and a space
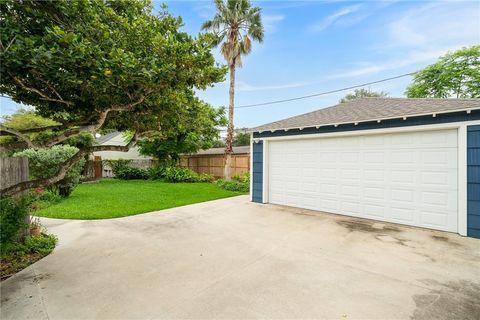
131, 173
118, 165
177, 174
13, 214
45, 163
238, 183
42, 243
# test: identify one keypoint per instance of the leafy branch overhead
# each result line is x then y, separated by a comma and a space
95, 64
455, 75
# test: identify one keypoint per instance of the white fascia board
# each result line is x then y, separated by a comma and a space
336, 124
426, 127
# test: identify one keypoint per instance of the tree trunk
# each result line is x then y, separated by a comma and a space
229, 146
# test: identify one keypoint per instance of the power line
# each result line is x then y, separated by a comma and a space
325, 92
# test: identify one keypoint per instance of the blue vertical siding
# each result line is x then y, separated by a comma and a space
257, 172
473, 181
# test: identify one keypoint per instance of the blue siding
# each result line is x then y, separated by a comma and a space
473, 181
257, 172
416, 121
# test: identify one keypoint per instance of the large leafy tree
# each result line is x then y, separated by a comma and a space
455, 75
363, 93
96, 64
235, 24
200, 132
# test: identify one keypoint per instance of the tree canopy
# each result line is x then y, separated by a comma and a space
454, 75
97, 64
363, 93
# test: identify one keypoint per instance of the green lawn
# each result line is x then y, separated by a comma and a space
120, 198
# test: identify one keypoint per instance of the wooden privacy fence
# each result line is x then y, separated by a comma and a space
12, 171
214, 164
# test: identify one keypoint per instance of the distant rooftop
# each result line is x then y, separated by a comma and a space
371, 109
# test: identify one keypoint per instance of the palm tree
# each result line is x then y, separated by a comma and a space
235, 25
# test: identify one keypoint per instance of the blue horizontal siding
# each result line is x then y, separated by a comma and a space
257, 172
473, 181
384, 124
473, 207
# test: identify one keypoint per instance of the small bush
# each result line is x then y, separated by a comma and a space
177, 174
131, 173
45, 163
204, 177
42, 243
13, 214
238, 183
118, 165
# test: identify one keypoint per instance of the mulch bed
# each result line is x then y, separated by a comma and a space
15, 263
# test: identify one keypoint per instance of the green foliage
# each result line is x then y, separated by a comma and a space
199, 132
238, 183
132, 173
177, 174
77, 61
241, 138
111, 53
234, 37
81, 141
363, 93
118, 165
42, 243
45, 163
26, 119
13, 214
456, 75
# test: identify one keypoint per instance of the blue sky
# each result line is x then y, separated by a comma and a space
315, 46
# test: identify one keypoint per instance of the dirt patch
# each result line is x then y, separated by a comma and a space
444, 239
366, 226
451, 300
13, 264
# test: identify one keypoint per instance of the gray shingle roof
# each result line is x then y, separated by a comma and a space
371, 109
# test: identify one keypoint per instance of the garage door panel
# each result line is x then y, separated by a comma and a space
408, 178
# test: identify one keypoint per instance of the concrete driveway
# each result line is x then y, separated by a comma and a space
234, 259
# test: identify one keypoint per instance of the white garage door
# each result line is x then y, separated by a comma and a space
408, 178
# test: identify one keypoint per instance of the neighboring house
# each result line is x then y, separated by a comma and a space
212, 161
116, 138
407, 161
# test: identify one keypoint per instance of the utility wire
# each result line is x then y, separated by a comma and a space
325, 92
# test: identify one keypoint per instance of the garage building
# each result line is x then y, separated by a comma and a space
408, 161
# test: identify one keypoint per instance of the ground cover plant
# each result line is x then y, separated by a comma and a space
237, 184
19, 248
112, 198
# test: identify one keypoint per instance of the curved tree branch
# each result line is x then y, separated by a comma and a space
102, 117
18, 134
67, 165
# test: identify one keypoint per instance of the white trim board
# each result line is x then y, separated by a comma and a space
426, 127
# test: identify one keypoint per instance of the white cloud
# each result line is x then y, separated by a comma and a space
270, 22
336, 16
420, 36
205, 10
441, 23
244, 86
413, 58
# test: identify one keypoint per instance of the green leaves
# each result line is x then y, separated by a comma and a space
234, 25
455, 75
